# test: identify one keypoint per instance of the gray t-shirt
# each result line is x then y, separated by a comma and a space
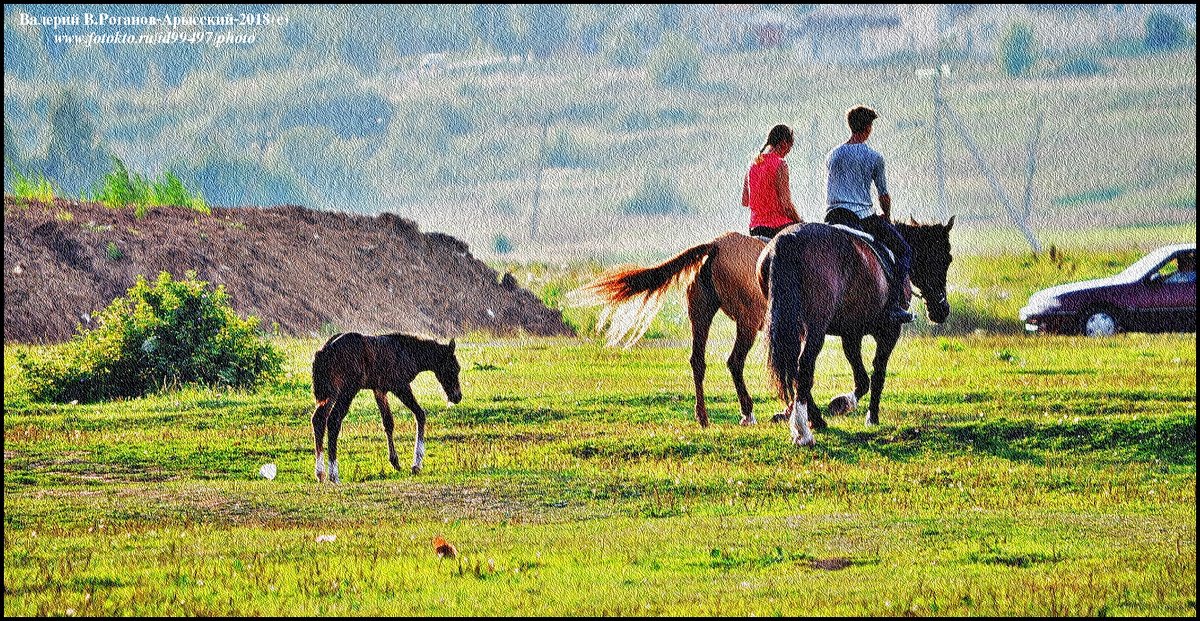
852, 168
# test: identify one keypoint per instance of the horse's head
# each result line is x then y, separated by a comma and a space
930, 261
446, 369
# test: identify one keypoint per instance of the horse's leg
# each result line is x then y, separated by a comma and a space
407, 398
884, 343
844, 404
385, 412
702, 307
806, 365
737, 367
335, 427
320, 419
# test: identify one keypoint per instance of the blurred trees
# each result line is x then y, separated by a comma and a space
1017, 51
76, 157
1165, 32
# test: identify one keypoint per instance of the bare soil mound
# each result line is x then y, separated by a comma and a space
306, 271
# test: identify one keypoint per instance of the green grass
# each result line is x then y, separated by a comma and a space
33, 187
1011, 476
119, 189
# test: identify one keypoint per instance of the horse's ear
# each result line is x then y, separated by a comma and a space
950, 224
451, 345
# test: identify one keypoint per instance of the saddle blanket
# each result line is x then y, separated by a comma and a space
886, 258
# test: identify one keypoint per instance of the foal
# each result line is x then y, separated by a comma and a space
350, 362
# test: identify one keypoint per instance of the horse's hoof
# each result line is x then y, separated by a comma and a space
818, 424
802, 441
748, 421
703, 421
780, 417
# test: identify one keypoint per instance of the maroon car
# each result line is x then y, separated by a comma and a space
1155, 294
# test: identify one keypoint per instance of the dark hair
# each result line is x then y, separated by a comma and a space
860, 118
779, 134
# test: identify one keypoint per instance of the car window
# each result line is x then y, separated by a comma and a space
1181, 269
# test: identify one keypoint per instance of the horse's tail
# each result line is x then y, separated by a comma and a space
632, 296
784, 321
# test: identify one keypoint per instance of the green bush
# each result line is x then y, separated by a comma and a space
34, 187
166, 334
1016, 50
676, 62
119, 188
1165, 32
657, 196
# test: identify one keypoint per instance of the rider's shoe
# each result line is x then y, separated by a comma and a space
899, 315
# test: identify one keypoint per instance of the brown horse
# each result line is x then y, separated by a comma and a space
350, 362
819, 280
721, 276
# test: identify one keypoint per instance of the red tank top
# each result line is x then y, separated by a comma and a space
765, 208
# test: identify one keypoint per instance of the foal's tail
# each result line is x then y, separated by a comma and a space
784, 321
632, 296
322, 376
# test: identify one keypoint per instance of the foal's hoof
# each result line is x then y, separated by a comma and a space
780, 417
415, 469
748, 421
817, 424
842, 405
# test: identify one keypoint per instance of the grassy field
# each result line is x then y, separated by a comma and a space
1012, 475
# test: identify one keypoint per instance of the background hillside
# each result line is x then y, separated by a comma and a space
560, 132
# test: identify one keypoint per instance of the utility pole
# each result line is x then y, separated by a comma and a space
537, 182
938, 140
1021, 223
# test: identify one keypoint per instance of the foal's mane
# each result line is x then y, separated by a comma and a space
411, 340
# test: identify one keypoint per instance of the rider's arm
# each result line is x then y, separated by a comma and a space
880, 178
783, 187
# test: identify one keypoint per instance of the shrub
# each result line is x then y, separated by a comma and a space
1080, 68
658, 196
1164, 32
1016, 50
501, 244
34, 187
165, 334
676, 62
120, 188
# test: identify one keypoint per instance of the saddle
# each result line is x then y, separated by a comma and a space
887, 260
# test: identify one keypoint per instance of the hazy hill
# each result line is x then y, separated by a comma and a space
623, 132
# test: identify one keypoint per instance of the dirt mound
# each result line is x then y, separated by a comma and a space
307, 271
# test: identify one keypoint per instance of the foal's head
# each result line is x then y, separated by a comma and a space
445, 368
930, 261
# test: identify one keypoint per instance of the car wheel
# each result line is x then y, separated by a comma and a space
1099, 323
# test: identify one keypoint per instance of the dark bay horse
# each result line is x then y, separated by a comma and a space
720, 276
819, 280
350, 362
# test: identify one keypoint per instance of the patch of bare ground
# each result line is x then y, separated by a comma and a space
303, 270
